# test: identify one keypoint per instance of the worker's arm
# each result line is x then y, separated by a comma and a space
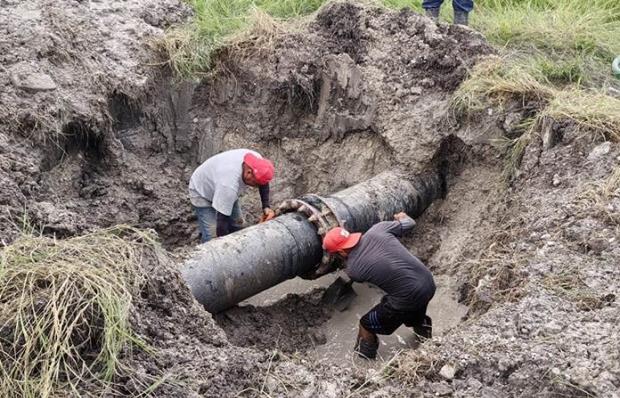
407, 223
401, 224
268, 214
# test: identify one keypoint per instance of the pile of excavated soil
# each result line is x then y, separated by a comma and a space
88, 117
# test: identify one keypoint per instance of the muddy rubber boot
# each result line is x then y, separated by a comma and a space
461, 17
366, 349
424, 330
432, 13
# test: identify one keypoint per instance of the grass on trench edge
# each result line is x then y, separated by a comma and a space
64, 307
568, 40
495, 82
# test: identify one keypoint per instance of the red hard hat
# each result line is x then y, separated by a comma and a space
339, 239
262, 168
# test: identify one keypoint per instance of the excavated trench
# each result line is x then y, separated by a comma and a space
94, 133
292, 316
331, 106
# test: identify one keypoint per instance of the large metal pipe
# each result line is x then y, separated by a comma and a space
227, 270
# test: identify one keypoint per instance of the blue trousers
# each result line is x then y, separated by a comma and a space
207, 220
459, 5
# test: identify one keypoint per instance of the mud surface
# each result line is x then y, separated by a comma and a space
300, 322
290, 325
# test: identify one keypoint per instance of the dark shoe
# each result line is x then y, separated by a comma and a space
365, 349
461, 17
424, 330
432, 13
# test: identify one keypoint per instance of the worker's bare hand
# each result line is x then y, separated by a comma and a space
400, 216
268, 214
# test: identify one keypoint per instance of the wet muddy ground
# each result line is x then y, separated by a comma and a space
325, 333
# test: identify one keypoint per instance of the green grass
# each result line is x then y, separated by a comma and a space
64, 307
218, 23
566, 41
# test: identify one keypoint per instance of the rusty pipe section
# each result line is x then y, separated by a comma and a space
227, 270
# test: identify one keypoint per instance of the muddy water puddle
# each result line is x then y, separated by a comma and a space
341, 328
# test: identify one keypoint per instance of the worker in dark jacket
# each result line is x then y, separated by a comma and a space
378, 257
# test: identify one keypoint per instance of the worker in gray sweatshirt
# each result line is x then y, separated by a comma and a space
215, 187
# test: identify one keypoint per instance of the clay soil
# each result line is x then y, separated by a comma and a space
95, 131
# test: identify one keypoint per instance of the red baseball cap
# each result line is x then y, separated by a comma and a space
262, 168
339, 239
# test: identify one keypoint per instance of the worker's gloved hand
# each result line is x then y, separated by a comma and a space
310, 275
400, 216
268, 214
328, 264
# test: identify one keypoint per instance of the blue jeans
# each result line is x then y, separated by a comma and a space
458, 5
207, 220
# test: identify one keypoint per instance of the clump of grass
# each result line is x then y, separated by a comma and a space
591, 111
570, 286
552, 26
555, 58
611, 186
412, 366
594, 200
576, 39
496, 276
515, 149
217, 23
558, 72
496, 80
64, 308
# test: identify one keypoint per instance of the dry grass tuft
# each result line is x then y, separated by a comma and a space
570, 286
596, 198
64, 308
192, 50
496, 80
601, 193
412, 366
515, 149
591, 111
494, 277
495, 83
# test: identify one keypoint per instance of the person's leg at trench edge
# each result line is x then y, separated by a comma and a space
431, 8
381, 319
462, 8
206, 218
